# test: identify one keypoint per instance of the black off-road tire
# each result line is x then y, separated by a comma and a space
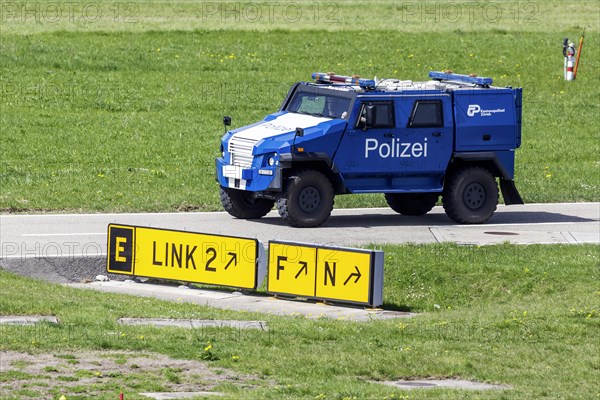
307, 199
470, 195
411, 203
242, 204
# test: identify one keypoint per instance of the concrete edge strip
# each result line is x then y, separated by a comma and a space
437, 234
265, 305
569, 237
178, 395
195, 323
443, 383
26, 319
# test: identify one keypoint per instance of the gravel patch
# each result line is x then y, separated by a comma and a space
60, 269
97, 373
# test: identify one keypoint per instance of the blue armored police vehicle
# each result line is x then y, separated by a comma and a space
452, 136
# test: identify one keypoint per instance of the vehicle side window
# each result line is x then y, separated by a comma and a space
382, 113
426, 114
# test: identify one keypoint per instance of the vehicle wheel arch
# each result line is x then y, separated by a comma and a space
292, 164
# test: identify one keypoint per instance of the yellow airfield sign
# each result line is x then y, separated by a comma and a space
344, 274
326, 273
185, 256
292, 269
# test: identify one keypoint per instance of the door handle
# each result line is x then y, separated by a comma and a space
391, 135
436, 134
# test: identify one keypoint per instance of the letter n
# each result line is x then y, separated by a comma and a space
329, 273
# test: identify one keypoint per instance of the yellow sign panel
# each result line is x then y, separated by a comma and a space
292, 269
183, 256
327, 273
343, 274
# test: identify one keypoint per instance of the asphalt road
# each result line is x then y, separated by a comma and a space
73, 235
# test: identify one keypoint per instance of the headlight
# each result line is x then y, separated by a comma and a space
272, 160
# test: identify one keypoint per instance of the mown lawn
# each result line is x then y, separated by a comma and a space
117, 116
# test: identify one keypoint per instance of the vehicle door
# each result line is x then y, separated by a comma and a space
425, 139
365, 156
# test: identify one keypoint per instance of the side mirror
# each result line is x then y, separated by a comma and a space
226, 122
299, 132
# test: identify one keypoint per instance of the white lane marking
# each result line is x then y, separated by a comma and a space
520, 224
34, 256
64, 234
2, 216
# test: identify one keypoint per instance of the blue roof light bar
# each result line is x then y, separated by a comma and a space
443, 76
350, 80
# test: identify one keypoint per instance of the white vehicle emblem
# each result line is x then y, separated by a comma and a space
473, 109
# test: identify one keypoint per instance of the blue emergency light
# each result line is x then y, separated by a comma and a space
350, 80
443, 76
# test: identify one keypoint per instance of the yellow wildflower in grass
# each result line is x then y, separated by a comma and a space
403, 326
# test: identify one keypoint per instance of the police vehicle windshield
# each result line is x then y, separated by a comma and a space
321, 102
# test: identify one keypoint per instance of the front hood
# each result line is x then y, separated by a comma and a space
284, 123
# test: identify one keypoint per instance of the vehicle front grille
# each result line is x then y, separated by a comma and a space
241, 151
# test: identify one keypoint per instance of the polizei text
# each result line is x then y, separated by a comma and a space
394, 148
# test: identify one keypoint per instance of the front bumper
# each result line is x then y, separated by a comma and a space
249, 178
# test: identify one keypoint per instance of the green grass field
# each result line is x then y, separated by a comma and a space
118, 106
493, 314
